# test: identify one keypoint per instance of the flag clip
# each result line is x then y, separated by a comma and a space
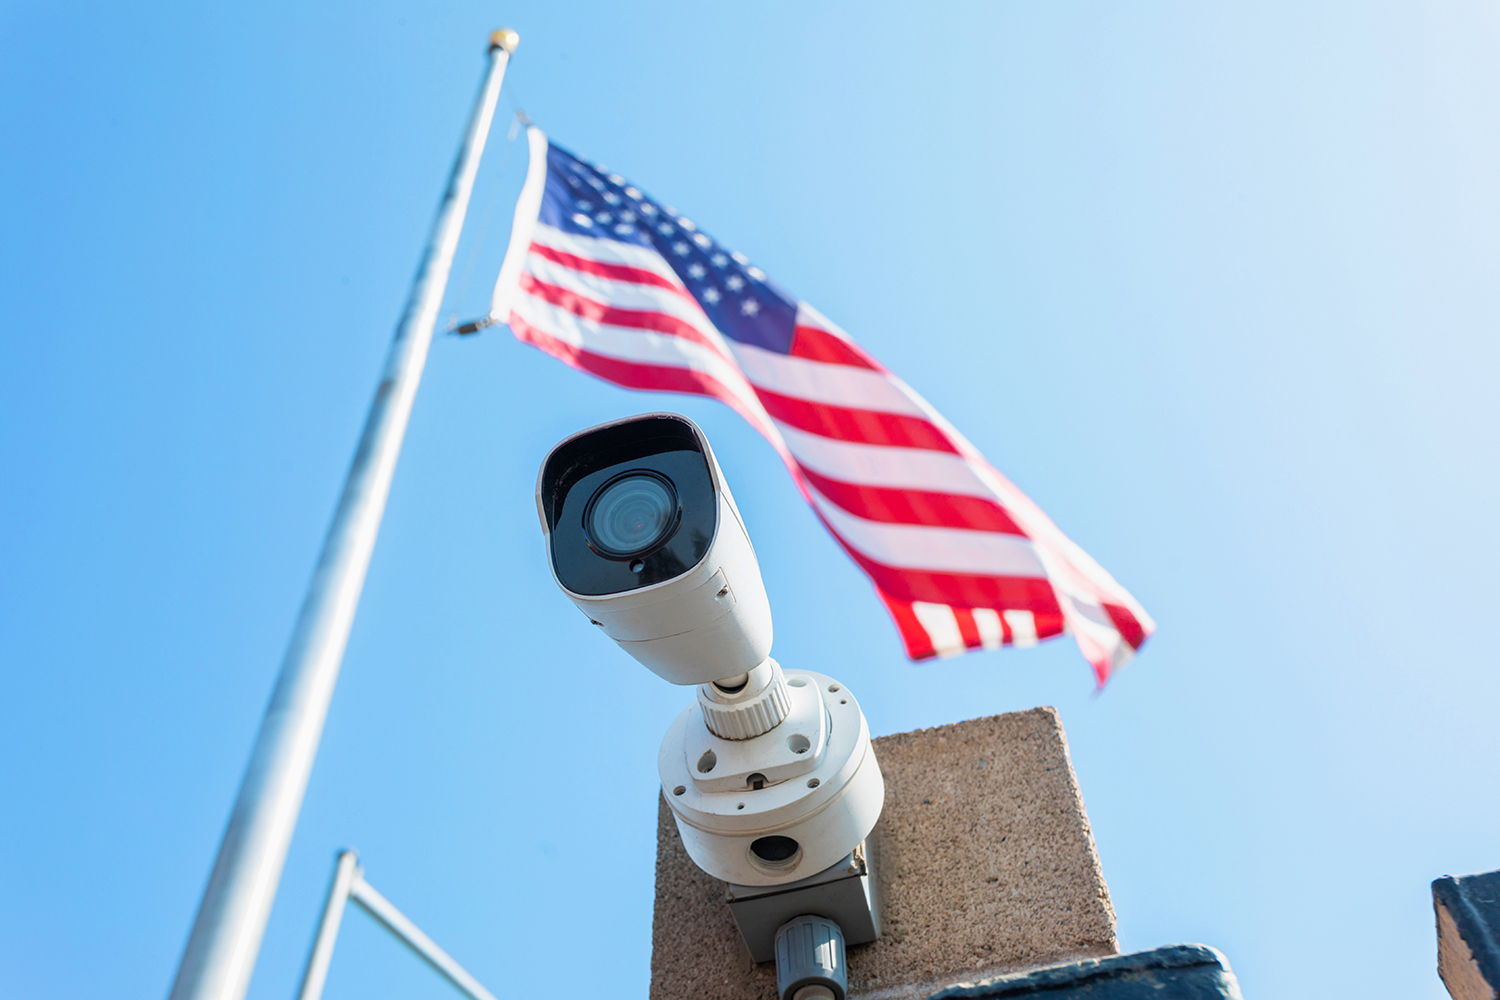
472, 326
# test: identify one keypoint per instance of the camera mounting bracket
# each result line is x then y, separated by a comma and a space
795, 747
819, 812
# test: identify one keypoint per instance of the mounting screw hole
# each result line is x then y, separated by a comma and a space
797, 743
707, 762
843, 701
740, 806
637, 566
813, 782
833, 687
679, 789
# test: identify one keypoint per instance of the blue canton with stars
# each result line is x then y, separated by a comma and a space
587, 200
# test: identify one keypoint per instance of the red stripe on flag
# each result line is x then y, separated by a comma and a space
845, 423
918, 643
631, 374
897, 506
966, 590
819, 345
1048, 625
617, 272
967, 629
1126, 624
634, 319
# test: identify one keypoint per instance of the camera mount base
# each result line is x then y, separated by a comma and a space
771, 809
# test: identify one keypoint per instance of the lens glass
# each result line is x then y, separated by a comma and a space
631, 514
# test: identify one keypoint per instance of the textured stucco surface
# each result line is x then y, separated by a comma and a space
985, 862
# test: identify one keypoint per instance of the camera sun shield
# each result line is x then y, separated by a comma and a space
643, 535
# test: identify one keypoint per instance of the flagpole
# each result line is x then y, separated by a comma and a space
225, 940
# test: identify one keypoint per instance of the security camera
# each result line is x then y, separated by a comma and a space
770, 774
644, 536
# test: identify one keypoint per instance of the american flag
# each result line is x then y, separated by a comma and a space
626, 288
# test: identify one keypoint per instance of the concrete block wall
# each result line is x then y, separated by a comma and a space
985, 862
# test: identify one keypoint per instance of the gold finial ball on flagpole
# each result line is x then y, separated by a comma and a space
505, 39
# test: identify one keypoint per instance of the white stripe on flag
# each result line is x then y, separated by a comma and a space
941, 626
991, 634
808, 316
623, 295
880, 465
940, 550
636, 346
820, 382
1022, 628
605, 251
525, 222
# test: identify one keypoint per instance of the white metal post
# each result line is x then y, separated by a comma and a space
345, 871
349, 883
225, 940
396, 922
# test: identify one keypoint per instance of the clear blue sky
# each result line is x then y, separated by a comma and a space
1216, 284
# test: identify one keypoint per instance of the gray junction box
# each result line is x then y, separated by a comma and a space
844, 893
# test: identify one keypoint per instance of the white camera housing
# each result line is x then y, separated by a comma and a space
709, 620
770, 775
812, 781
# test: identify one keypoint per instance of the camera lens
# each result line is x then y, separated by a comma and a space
631, 514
